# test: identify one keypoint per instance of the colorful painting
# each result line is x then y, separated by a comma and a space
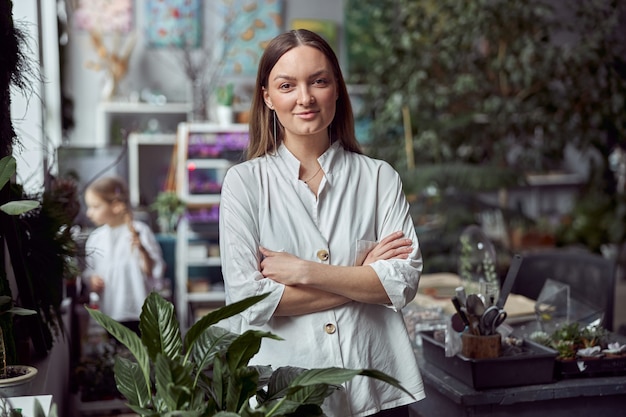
250, 28
174, 23
327, 29
104, 16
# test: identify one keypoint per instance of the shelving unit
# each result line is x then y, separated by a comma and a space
205, 151
149, 157
135, 116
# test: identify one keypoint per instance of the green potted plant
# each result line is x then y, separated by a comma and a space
169, 208
36, 243
452, 84
207, 372
14, 379
225, 96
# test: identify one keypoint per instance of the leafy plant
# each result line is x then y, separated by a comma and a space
481, 77
571, 337
207, 372
225, 94
7, 307
169, 207
41, 252
491, 84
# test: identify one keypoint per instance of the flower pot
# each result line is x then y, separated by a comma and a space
224, 114
18, 381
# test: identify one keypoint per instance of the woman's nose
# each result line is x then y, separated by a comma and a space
304, 97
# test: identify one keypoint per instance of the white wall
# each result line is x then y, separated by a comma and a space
153, 69
38, 126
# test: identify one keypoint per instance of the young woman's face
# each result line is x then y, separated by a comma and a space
99, 211
303, 91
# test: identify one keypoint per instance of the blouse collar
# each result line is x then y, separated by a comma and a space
328, 160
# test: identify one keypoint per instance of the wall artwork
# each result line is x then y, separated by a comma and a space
104, 16
327, 29
252, 26
174, 23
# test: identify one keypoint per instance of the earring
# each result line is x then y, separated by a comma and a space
275, 142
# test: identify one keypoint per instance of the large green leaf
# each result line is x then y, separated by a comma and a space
175, 384
241, 387
281, 398
8, 166
18, 207
160, 331
129, 377
217, 315
220, 377
288, 407
126, 337
211, 341
242, 349
337, 376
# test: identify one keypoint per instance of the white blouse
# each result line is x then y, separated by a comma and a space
109, 254
360, 201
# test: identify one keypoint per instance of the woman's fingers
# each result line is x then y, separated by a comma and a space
394, 246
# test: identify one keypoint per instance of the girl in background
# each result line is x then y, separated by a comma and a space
124, 261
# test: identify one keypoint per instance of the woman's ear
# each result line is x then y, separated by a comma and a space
267, 99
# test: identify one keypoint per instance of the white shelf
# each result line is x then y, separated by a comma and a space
141, 107
194, 238
211, 261
107, 110
206, 297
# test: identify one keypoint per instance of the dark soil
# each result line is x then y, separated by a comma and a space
13, 372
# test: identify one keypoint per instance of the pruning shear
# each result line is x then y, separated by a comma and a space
493, 317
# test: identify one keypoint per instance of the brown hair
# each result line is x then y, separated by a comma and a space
262, 139
111, 189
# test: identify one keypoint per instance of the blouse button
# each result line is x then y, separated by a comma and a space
330, 328
322, 254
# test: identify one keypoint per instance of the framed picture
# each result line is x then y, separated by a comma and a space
104, 16
327, 29
175, 23
251, 27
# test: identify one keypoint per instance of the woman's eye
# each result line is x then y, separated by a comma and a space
284, 86
320, 81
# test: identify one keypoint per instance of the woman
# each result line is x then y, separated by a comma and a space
322, 228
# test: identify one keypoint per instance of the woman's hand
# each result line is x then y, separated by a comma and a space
96, 283
394, 246
281, 267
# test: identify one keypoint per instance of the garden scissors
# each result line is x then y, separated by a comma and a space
493, 317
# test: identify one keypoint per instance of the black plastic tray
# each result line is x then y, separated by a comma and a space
592, 367
535, 365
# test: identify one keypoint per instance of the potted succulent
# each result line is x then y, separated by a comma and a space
169, 208
207, 372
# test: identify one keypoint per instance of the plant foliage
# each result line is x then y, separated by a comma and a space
483, 76
206, 373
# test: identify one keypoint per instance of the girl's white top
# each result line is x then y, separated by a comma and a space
360, 201
109, 254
